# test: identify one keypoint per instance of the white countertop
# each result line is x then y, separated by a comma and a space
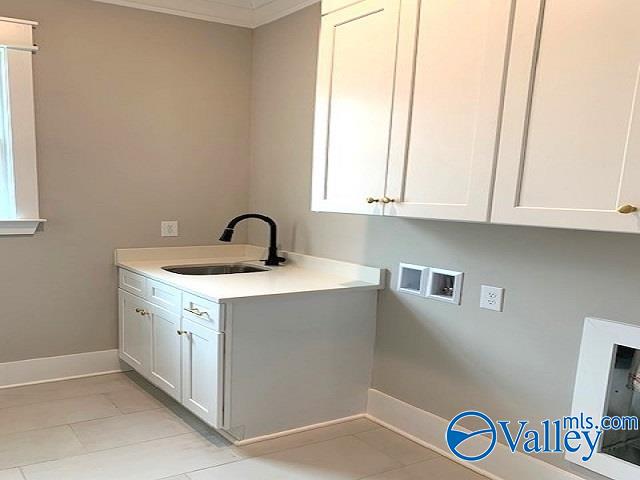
300, 273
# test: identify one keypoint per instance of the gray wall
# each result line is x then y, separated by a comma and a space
140, 117
443, 358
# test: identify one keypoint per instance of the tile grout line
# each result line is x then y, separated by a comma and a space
106, 396
399, 465
380, 450
75, 397
293, 448
9, 389
100, 451
75, 435
59, 424
72, 429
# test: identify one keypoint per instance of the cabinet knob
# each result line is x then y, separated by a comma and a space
372, 200
386, 199
180, 332
627, 209
142, 311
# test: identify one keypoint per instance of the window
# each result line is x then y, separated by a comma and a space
7, 190
19, 212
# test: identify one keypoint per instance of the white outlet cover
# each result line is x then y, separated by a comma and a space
491, 298
169, 228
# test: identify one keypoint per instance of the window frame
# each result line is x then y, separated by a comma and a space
16, 38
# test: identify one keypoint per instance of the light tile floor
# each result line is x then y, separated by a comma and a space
118, 427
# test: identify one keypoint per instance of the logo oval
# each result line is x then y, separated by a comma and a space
456, 436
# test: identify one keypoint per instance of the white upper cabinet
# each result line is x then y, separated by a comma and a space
356, 69
520, 112
408, 106
451, 62
570, 147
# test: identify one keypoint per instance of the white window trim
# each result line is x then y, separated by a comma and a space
17, 36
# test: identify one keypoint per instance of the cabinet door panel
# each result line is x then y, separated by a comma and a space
356, 68
165, 351
135, 332
449, 91
202, 371
569, 151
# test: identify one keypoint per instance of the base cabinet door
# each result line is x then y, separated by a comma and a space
354, 100
165, 350
135, 332
202, 371
570, 143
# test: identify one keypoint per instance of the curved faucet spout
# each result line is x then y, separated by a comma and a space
272, 259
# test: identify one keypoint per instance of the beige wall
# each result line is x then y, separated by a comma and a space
439, 357
141, 117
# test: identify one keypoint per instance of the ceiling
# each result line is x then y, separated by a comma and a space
244, 13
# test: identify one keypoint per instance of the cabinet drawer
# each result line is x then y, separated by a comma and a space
205, 312
132, 282
164, 296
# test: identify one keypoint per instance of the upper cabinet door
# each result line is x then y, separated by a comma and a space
354, 99
450, 78
570, 148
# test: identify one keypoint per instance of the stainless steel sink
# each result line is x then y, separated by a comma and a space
226, 269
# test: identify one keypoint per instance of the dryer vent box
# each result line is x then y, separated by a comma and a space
444, 285
412, 279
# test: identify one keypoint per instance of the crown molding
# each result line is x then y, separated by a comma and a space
268, 11
242, 13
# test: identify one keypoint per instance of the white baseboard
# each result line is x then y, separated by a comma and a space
271, 436
429, 430
40, 370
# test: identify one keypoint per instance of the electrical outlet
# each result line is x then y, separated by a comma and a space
491, 298
169, 228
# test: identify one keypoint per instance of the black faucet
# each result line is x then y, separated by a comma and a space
272, 259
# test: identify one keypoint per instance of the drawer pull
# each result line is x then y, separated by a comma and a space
196, 311
142, 311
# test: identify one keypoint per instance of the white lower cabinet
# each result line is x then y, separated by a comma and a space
135, 332
165, 351
202, 361
182, 356
251, 367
